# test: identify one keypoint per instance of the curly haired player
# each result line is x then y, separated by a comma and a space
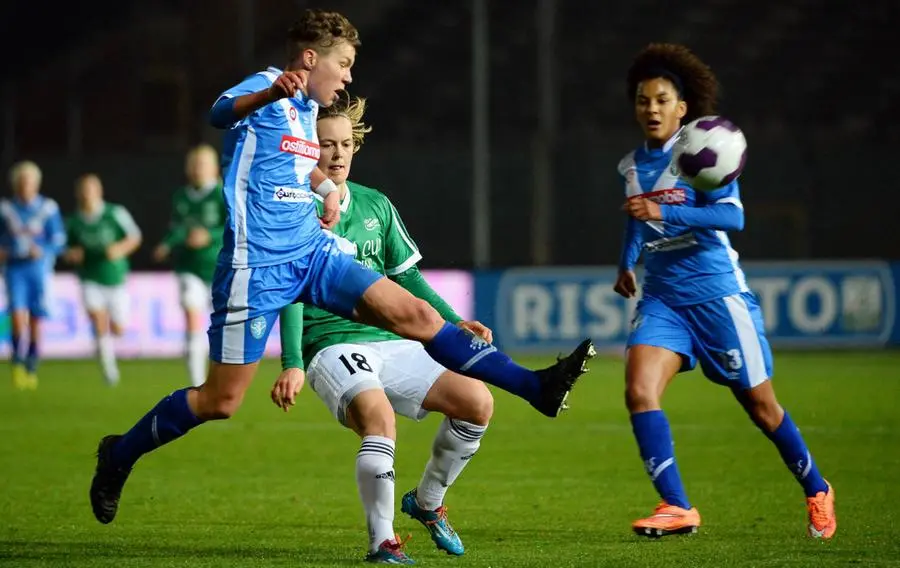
696, 305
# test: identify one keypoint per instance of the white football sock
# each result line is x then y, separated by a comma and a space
375, 479
197, 354
454, 445
106, 351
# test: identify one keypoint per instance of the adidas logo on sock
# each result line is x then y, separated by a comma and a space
386, 475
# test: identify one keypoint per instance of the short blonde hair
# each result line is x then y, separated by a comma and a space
353, 109
202, 149
22, 168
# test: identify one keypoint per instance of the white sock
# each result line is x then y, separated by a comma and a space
107, 352
454, 445
197, 354
375, 479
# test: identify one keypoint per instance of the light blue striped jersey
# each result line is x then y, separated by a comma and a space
683, 265
267, 159
35, 223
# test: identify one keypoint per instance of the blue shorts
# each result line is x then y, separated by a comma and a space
726, 335
26, 287
246, 301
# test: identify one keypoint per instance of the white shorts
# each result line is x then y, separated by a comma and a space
113, 300
400, 367
195, 294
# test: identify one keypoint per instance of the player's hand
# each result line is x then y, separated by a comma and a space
35, 252
161, 253
286, 388
286, 85
479, 329
74, 255
331, 212
643, 209
626, 284
197, 238
114, 252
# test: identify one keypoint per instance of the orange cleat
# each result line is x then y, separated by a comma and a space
822, 520
668, 519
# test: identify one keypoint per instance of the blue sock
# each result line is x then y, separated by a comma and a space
796, 456
460, 351
169, 420
33, 357
654, 438
15, 344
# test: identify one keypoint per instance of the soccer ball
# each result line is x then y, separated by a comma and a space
710, 152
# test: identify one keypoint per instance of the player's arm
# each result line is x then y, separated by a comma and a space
125, 246
631, 246
719, 210
413, 281
175, 236
290, 381
252, 94
55, 232
74, 253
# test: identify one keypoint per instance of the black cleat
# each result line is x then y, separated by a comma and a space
557, 381
106, 488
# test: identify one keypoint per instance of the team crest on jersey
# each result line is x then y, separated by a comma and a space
292, 113
258, 327
371, 223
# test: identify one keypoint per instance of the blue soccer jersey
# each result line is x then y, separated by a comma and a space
684, 265
267, 158
23, 228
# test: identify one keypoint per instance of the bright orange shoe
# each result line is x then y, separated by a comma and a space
822, 520
668, 519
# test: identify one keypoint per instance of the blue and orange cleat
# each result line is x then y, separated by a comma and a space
822, 520
666, 520
390, 552
437, 524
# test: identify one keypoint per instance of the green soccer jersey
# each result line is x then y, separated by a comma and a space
94, 234
369, 221
192, 207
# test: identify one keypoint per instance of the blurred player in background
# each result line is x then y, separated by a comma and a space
193, 243
696, 305
275, 253
101, 237
31, 237
364, 374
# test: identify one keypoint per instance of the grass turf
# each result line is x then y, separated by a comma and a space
274, 489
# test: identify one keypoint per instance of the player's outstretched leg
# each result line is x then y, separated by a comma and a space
468, 406
762, 406
648, 371
173, 417
385, 304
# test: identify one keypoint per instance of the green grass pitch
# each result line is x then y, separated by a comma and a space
275, 489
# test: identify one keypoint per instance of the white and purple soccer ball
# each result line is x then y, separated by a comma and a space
710, 153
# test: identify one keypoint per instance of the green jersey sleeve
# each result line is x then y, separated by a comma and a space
292, 336
400, 251
126, 222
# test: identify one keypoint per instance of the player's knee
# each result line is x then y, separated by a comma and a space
116, 329
417, 316
641, 394
371, 414
217, 405
482, 408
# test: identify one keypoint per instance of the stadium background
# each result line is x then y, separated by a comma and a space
510, 118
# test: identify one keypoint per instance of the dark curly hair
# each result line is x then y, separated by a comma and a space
321, 30
696, 83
